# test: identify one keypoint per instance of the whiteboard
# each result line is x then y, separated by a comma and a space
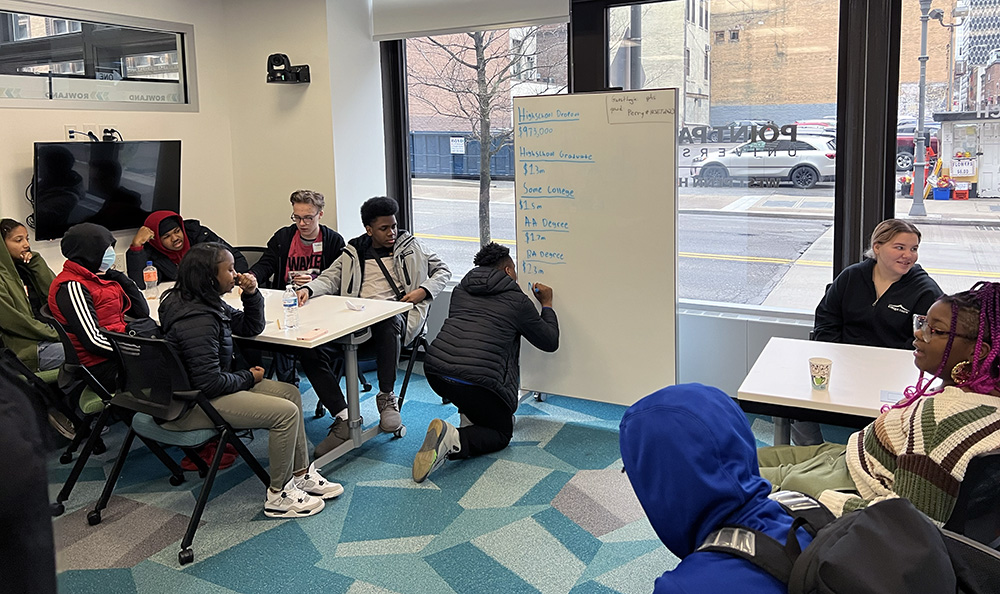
596, 193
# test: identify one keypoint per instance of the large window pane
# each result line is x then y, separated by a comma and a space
757, 147
460, 92
959, 216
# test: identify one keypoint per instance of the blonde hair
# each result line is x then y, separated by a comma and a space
886, 230
308, 197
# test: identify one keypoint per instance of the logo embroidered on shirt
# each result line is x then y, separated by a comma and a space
898, 308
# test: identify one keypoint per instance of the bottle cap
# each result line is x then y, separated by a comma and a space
149, 262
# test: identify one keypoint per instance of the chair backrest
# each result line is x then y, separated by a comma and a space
977, 567
152, 376
977, 509
72, 371
252, 253
70, 350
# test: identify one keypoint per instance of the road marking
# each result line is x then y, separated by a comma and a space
734, 258
741, 204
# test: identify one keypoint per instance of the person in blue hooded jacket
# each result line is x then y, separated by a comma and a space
692, 479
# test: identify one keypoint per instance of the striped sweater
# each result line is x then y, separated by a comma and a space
920, 452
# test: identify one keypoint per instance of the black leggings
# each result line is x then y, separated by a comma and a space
493, 422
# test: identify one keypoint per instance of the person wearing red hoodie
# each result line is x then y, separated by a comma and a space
164, 239
88, 296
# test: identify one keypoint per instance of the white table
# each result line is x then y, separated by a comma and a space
344, 326
779, 383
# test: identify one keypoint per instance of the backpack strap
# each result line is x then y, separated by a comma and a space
815, 515
754, 546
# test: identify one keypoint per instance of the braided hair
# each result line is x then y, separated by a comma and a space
976, 310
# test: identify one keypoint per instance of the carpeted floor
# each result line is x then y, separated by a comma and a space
552, 513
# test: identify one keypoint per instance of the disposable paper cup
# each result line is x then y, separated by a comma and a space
819, 371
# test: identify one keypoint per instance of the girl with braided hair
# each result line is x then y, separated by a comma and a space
920, 447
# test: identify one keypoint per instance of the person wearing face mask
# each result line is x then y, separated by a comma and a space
164, 239
473, 361
88, 295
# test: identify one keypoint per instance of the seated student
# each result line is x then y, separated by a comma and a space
24, 288
919, 448
164, 239
200, 325
692, 479
872, 302
88, 295
295, 255
384, 263
474, 360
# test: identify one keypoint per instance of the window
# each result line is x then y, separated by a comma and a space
734, 35
720, 36
461, 138
50, 61
706, 64
687, 62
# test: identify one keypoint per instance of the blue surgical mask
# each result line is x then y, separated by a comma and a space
108, 260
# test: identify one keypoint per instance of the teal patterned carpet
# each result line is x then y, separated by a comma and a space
552, 513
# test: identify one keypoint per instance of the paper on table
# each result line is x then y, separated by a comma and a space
354, 306
890, 396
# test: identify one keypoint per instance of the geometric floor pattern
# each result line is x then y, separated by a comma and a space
550, 514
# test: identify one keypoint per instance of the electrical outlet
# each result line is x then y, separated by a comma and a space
70, 132
92, 128
105, 129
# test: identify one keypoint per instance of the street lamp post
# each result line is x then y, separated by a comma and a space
917, 208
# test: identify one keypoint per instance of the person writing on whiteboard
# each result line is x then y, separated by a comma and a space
384, 263
474, 360
871, 303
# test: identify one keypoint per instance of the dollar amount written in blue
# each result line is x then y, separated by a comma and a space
529, 268
530, 236
532, 169
532, 131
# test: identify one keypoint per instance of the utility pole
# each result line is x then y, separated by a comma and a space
917, 208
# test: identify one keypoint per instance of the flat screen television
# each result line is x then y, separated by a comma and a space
114, 184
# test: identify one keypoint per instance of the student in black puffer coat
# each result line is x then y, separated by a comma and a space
474, 361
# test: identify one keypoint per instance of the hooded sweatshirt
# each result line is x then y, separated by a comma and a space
692, 460
166, 260
480, 342
20, 330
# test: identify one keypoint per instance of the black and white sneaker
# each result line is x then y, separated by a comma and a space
291, 502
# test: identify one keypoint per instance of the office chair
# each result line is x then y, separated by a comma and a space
977, 566
46, 385
253, 253
155, 386
977, 509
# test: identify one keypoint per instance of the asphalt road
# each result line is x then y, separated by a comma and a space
732, 258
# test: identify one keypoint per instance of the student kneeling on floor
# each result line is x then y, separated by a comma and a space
473, 362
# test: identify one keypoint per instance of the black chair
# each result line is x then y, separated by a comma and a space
96, 406
253, 253
977, 567
45, 385
155, 385
977, 509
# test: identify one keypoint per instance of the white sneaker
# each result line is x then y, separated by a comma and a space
291, 502
313, 483
441, 440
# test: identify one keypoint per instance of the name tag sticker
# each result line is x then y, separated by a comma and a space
318, 246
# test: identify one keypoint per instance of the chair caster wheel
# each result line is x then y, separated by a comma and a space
202, 473
177, 479
185, 556
94, 517
445, 401
99, 447
56, 509
66, 458
320, 411
539, 397
401, 432
366, 387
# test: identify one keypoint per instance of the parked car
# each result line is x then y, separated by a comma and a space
906, 141
804, 162
817, 126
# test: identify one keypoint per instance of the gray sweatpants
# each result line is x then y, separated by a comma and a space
271, 405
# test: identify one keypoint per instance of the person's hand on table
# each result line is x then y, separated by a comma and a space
258, 374
247, 283
303, 296
543, 293
143, 235
415, 296
301, 278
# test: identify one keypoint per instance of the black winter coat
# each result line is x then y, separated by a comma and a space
480, 341
203, 337
135, 260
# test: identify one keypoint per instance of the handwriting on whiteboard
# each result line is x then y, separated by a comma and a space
636, 108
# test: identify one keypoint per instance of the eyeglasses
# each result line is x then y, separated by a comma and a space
307, 218
926, 332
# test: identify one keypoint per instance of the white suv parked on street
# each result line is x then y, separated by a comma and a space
805, 161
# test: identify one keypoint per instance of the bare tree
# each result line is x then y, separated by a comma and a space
470, 77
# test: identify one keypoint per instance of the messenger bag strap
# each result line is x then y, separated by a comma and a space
392, 284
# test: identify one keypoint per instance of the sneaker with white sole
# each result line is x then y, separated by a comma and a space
62, 424
291, 502
388, 411
313, 483
441, 441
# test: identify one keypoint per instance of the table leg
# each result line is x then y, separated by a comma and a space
353, 394
782, 431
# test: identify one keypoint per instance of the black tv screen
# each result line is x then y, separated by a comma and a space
114, 184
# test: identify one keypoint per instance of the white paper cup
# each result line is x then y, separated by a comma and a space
819, 372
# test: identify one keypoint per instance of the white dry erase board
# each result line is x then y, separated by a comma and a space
596, 192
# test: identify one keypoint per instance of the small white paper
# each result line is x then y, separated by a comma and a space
354, 306
890, 396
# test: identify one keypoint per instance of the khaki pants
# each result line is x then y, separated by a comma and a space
807, 469
270, 405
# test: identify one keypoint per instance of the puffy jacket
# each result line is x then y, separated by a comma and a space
480, 342
202, 334
418, 266
166, 268
692, 461
20, 331
271, 267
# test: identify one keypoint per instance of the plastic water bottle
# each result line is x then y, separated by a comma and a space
150, 277
290, 303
